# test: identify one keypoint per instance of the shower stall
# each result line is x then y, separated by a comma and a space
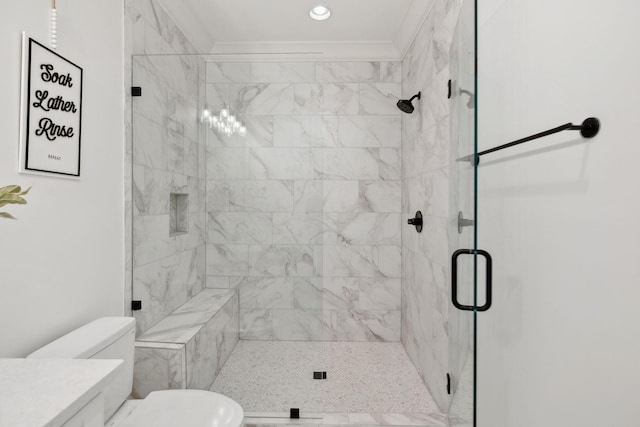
288, 250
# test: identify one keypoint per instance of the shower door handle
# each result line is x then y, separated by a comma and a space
454, 279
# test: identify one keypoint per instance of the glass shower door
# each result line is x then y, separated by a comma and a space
464, 297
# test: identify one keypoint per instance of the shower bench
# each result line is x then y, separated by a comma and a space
188, 348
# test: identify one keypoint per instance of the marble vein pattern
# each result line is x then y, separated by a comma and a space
166, 155
310, 198
426, 181
188, 348
158, 369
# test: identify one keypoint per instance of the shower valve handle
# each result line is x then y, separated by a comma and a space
417, 221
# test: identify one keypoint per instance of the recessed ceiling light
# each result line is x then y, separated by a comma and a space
320, 13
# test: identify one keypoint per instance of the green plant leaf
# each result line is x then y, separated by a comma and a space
10, 195
10, 189
12, 199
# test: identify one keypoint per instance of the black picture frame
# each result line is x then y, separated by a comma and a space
67, 90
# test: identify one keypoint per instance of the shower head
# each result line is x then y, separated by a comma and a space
406, 106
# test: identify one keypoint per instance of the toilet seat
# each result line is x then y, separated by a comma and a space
185, 408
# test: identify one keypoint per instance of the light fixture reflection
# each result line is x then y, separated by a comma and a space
224, 122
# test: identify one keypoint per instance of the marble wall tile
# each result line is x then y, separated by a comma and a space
262, 98
164, 285
283, 260
158, 369
340, 98
202, 358
297, 325
174, 72
369, 131
391, 72
426, 183
218, 282
217, 95
262, 196
266, 292
307, 98
370, 325
308, 292
282, 72
176, 149
340, 293
150, 191
436, 247
389, 163
150, 143
164, 149
431, 150
388, 261
305, 168
151, 240
344, 260
379, 294
228, 331
186, 160
281, 163
256, 324
305, 131
260, 130
172, 40
348, 163
208, 351
428, 192
369, 228
380, 98
217, 196
228, 72
354, 72
340, 196
195, 237
380, 196
227, 163
239, 227
326, 98
302, 228
308, 196
228, 260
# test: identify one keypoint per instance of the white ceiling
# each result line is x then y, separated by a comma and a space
357, 29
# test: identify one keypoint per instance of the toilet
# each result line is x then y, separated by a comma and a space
114, 338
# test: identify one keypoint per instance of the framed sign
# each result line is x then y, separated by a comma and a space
51, 112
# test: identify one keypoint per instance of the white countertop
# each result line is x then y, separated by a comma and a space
47, 392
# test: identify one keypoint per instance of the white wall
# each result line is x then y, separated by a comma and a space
63, 259
560, 345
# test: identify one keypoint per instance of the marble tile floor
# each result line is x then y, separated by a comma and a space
368, 383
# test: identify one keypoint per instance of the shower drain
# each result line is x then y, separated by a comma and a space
320, 375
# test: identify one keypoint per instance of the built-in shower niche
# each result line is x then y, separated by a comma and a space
178, 214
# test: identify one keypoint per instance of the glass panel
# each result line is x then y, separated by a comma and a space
215, 215
463, 134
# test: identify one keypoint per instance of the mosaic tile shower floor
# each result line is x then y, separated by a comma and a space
362, 377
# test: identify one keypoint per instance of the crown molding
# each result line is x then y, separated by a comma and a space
335, 51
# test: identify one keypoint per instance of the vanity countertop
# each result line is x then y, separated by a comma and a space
47, 392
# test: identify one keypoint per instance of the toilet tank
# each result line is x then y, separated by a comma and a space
104, 338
